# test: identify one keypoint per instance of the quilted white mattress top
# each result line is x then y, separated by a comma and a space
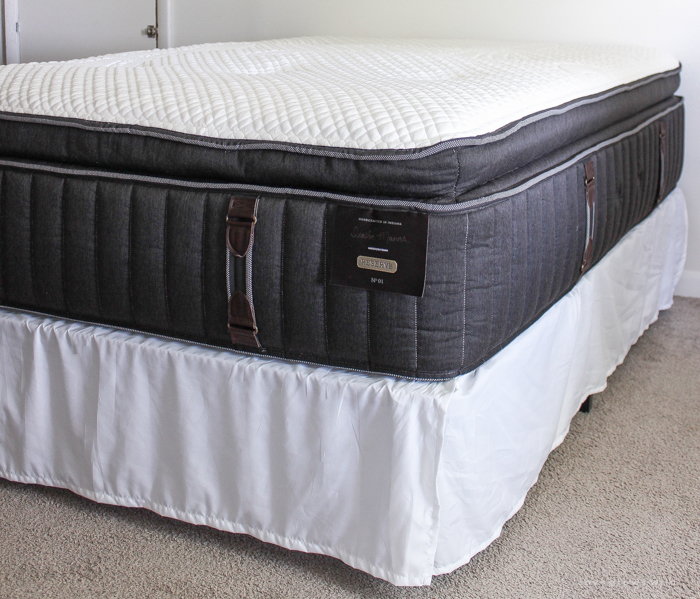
346, 93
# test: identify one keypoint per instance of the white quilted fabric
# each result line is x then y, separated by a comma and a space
343, 93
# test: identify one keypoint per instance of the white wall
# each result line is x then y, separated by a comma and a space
670, 24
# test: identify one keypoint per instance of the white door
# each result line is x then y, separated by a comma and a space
65, 29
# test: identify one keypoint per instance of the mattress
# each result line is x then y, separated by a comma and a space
401, 207
281, 451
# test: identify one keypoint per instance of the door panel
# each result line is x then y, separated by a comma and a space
65, 29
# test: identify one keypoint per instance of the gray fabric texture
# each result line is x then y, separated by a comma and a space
615, 514
150, 255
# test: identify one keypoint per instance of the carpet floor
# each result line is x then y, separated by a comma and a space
615, 513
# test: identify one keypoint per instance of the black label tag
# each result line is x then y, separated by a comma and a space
379, 249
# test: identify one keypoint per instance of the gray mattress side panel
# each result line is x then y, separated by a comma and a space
627, 190
183, 264
130, 255
16, 238
392, 322
79, 245
303, 280
677, 145
213, 269
267, 266
524, 254
148, 266
113, 217
348, 343
46, 198
628, 178
151, 256
442, 309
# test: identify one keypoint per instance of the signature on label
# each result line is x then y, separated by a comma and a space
377, 236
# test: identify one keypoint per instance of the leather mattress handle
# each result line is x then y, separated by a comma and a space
240, 223
241, 321
589, 183
663, 148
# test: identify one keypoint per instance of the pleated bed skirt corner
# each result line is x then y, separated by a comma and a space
401, 479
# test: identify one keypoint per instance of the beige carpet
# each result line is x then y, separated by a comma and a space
616, 513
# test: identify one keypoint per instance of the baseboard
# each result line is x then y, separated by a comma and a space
689, 285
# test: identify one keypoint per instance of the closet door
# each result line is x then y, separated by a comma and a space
65, 29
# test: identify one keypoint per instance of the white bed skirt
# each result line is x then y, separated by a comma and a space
400, 479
